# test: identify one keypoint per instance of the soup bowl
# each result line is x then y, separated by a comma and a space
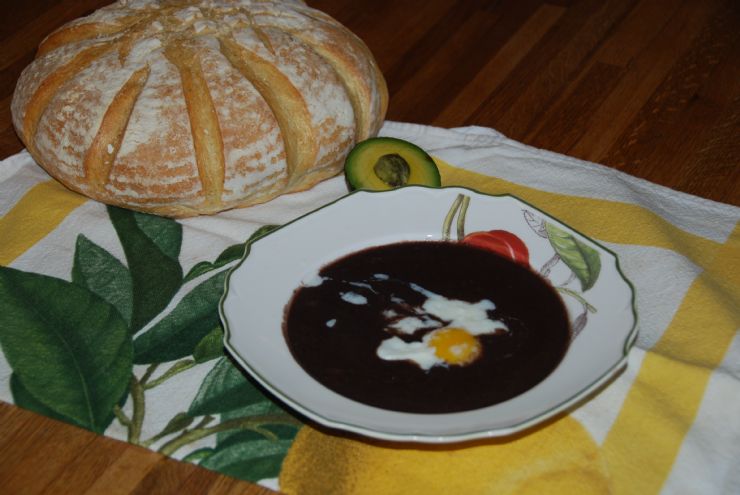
598, 298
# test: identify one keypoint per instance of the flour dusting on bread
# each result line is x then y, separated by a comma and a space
182, 108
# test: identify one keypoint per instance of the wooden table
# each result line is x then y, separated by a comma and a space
650, 87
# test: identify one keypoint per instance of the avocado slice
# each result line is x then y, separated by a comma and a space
383, 163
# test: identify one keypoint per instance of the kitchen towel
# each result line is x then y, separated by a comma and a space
108, 321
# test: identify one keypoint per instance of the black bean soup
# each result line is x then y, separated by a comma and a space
427, 327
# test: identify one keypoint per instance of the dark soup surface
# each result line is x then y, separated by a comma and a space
427, 327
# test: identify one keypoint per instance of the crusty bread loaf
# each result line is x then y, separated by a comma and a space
182, 108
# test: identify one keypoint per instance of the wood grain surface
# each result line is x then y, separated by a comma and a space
649, 87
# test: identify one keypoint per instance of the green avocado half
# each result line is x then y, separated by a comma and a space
384, 163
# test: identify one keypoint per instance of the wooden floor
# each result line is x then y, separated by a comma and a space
650, 87
41, 455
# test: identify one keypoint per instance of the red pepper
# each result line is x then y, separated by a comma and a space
502, 242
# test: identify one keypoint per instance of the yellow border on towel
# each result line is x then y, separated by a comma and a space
662, 403
605, 220
38, 212
664, 399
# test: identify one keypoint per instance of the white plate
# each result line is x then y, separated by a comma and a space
274, 266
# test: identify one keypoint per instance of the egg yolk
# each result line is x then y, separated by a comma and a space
455, 346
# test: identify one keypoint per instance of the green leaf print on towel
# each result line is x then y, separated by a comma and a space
178, 333
69, 349
254, 460
102, 273
254, 449
224, 389
151, 256
210, 347
72, 346
230, 254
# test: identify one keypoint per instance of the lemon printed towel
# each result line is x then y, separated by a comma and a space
108, 321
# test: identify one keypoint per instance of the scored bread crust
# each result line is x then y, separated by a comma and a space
181, 108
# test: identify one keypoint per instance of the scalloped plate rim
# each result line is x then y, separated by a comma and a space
419, 436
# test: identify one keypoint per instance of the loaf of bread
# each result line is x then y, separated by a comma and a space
182, 108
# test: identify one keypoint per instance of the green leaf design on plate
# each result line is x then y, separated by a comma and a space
224, 388
582, 259
71, 350
178, 333
151, 245
210, 347
252, 461
104, 275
